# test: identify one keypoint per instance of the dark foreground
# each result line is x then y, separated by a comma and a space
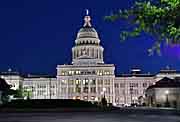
123, 115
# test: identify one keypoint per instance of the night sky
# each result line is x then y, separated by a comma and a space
36, 35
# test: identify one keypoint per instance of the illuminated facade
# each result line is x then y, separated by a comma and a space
165, 93
40, 87
87, 77
130, 88
12, 78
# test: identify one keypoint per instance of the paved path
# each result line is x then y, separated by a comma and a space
128, 115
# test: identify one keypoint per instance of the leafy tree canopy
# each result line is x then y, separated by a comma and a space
159, 18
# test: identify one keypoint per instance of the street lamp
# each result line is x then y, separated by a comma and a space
167, 99
104, 90
103, 100
28, 95
102, 93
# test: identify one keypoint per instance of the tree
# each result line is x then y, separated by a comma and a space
159, 18
18, 93
5, 90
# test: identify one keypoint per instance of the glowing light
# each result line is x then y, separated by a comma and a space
87, 12
96, 99
114, 104
102, 93
166, 92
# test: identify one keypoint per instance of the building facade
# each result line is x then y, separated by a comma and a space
167, 72
130, 88
87, 77
12, 78
40, 87
165, 93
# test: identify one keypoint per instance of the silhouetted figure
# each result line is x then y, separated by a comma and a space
104, 102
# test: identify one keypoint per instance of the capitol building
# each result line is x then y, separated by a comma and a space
88, 77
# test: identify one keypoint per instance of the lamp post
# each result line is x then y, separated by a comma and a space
103, 93
167, 99
103, 100
104, 90
28, 94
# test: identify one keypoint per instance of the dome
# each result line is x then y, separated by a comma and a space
87, 49
87, 29
87, 34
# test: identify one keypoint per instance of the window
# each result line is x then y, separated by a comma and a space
106, 72
78, 82
144, 84
93, 89
78, 72
99, 73
107, 82
62, 73
63, 90
70, 82
108, 91
78, 89
70, 90
99, 90
122, 85
41, 92
85, 89
52, 86
63, 81
133, 84
134, 91
100, 82
70, 72
93, 82
116, 85
117, 91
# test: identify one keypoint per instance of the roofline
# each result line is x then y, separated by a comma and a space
135, 75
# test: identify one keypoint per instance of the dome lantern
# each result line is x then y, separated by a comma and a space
87, 32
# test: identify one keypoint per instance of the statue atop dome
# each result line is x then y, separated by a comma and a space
87, 19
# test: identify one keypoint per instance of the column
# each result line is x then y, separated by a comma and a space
98, 56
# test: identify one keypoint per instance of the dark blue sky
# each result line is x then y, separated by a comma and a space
36, 35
